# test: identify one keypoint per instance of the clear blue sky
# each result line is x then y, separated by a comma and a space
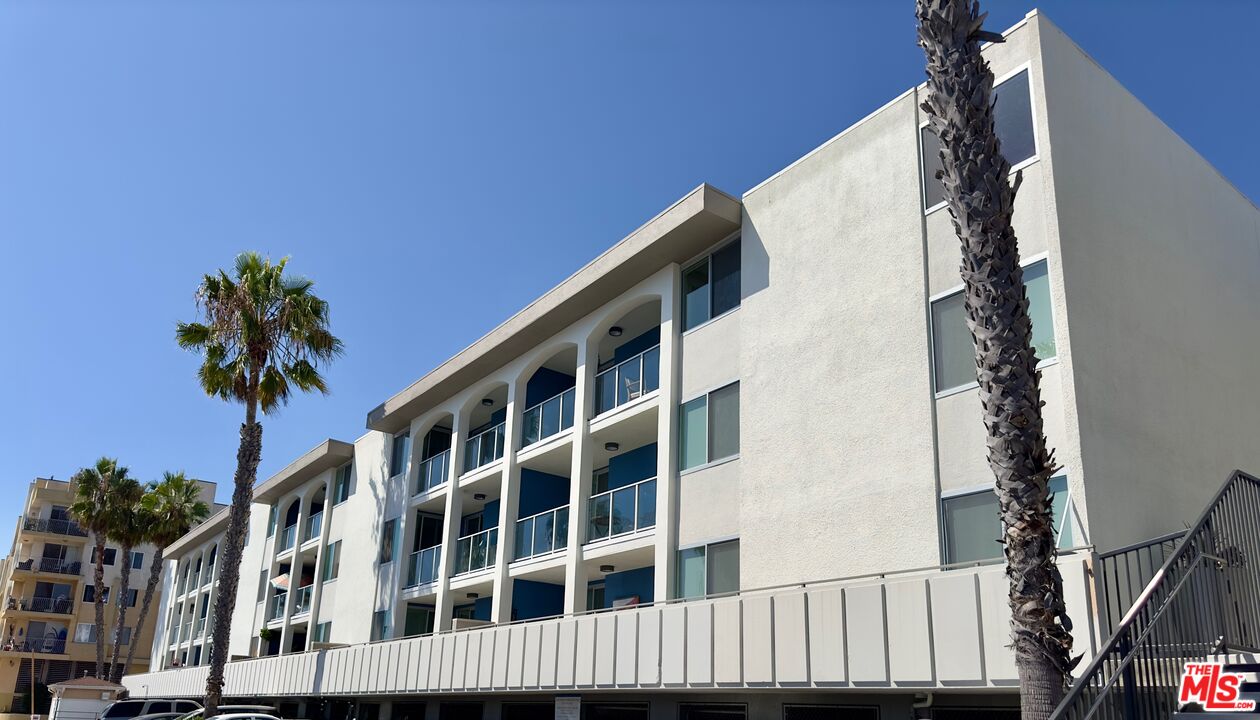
432, 165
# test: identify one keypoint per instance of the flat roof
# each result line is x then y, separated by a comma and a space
696, 221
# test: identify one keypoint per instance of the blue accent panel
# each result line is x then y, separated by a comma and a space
532, 600
490, 515
634, 346
629, 582
632, 466
546, 384
496, 417
481, 608
541, 491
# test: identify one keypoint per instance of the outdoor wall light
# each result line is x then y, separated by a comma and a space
473, 596
479, 496
606, 569
612, 446
615, 331
487, 402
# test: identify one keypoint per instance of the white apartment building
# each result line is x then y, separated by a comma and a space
735, 466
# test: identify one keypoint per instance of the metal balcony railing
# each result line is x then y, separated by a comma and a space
543, 533
286, 539
623, 510
49, 645
483, 448
1203, 601
302, 601
433, 472
477, 552
629, 380
314, 525
56, 527
50, 565
547, 418
422, 568
54, 605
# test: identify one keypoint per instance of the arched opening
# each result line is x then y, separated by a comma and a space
629, 356
435, 455
549, 395
289, 534
315, 519
485, 428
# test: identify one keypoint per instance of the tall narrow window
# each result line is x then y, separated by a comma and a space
271, 521
711, 286
137, 560
709, 427
323, 631
341, 485
953, 351
332, 561
388, 531
262, 586
398, 455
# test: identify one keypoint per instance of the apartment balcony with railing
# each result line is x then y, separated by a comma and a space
622, 511
484, 448
53, 526
433, 472
46, 646
314, 526
57, 566
423, 566
60, 605
185, 632
199, 628
302, 600
476, 552
276, 609
542, 534
288, 536
547, 418
628, 380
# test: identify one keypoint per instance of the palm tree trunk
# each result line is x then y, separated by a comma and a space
98, 590
980, 198
248, 455
120, 620
155, 574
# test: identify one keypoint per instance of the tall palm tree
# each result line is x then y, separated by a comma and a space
980, 198
93, 510
127, 528
170, 509
262, 334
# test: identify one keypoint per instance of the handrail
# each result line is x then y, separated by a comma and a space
627, 386
314, 526
287, 537
432, 472
53, 526
302, 601
547, 418
477, 551
423, 566
557, 538
602, 524
475, 455
1136, 672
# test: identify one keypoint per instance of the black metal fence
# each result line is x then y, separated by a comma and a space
50, 525
1202, 600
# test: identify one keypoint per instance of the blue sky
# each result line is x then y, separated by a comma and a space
434, 166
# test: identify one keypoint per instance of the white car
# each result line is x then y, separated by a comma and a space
131, 709
237, 712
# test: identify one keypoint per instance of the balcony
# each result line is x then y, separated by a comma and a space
185, 632
193, 583
629, 380
622, 511
547, 418
483, 448
55, 527
286, 539
277, 606
199, 628
477, 552
302, 601
543, 533
54, 606
55, 566
47, 646
314, 525
433, 472
422, 567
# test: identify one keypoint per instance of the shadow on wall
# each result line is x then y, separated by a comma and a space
755, 261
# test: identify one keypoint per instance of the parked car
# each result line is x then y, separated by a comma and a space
135, 708
237, 712
162, 716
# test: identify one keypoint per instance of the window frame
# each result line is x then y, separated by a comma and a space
92, 588
707, 258
338, 484
332, 558
1071, 518
705, 545
1024, 264
406, 458
1032, 111
137, 560
708, 429
389, 530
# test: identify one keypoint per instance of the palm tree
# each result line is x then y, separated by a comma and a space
92, 509
127, 528
170, 509
263, 334
980, 198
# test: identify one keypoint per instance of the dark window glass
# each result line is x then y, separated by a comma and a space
695, 288
829, 712
387, 541
614, 711
726, 279
712, 712
460, 711
398, 456
159, 707
137, 560
724, 422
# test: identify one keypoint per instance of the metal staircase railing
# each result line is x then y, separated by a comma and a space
1203, 600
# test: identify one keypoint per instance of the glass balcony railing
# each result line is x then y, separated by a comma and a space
543, 533
629, 380
199, 628
277, 606
302, 601
54, 526
433, 472
314, 525
623, 510
423, 566
186, 631
193, 581
56, 566
547, 418
477, 552
483, 448
287, 536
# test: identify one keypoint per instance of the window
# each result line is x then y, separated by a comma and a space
712, 711
132, 595
829, 712
332, 561
464, 612
323, 631
399, 452
972, 524
89, 594
85, 633
708, 569
710, 427
341, 485
111, 554
953, 350
137, 560
158, 707
595, 595
262, 586
271, 521
711, 286
124, 637
380, 625
1012, 120
387, 541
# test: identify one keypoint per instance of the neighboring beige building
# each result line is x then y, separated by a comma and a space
46, 609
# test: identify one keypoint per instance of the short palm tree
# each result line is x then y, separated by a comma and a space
170, 509
92, 509
980, 198
127, 528
263, 333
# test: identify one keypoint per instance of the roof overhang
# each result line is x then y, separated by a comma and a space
325, 456
212, 526
698, 220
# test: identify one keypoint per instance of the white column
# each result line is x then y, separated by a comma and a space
509, 497
450, 523
325, 523
575, 578
667, 445
295, 572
